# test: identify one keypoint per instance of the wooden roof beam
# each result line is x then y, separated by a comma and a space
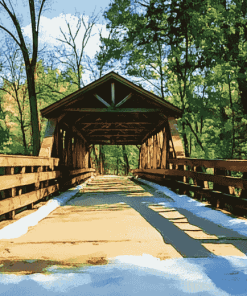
75, 130
124, 100
102, 100
113, 135
119, 129
113, 94
119, 110
117, 122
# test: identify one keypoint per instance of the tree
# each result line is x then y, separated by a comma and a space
4, 133
29, 59
173, 45
14, 89
70, 55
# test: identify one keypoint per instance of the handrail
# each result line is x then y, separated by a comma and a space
27, 179
225, 164
224, 186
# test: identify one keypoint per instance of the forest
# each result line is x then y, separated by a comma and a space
191, 53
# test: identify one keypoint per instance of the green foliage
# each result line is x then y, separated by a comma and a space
114, 162
4, 134
193, 54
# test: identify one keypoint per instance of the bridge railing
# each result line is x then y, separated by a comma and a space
27, 179
213, 180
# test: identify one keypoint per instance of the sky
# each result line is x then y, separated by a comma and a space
53, 17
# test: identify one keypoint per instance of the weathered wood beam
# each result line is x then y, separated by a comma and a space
137, 130
156, 129
118, 122
113, 135
124, 100
113, 94
61, 117
102, 100
119, 110
117, 142
227, 164
80, 171
11, 181
10, 204
117, 133
23, 160
75, 130
47, 143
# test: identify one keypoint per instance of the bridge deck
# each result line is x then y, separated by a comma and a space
115, 216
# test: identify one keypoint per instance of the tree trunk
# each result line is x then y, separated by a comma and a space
243, 89
186, 146
126, 161
101, 159
96, 158
34, 111
117, 166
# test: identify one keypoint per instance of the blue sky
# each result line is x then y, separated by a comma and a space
65, 6
53, 17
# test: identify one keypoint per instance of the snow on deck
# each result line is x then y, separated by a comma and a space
199, 209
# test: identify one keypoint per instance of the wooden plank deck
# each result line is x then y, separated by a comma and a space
115, 216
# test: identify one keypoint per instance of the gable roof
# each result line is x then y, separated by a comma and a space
80, 94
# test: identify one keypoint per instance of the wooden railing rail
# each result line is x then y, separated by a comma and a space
190, 175
24, 180
27, 179
78, 175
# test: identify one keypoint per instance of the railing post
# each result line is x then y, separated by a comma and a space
198, 169
11, 192
154, 151
23, 170
218, 187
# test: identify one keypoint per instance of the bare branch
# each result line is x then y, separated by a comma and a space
10, 35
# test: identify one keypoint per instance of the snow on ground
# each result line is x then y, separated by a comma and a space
199, 209
21, 226
136, 275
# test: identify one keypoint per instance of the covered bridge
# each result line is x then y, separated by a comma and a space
111, 111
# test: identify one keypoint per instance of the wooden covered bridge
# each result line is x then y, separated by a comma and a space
113, 111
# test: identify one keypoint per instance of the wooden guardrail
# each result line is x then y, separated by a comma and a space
24, 180
76, 176
219, 187
27, 179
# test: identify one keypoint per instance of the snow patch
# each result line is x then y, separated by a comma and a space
199, 209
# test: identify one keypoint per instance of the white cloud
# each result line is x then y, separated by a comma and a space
50, 30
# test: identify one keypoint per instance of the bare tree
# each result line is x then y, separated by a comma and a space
30, 63
13, 84
73, 58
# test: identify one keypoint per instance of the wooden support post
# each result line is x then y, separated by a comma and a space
146, 155
221, 188
158, 149
23, 170
86, 157
198, 183
164, 151
60, 144
11, 192
46, 182
155, 152
149, 154
47, 143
